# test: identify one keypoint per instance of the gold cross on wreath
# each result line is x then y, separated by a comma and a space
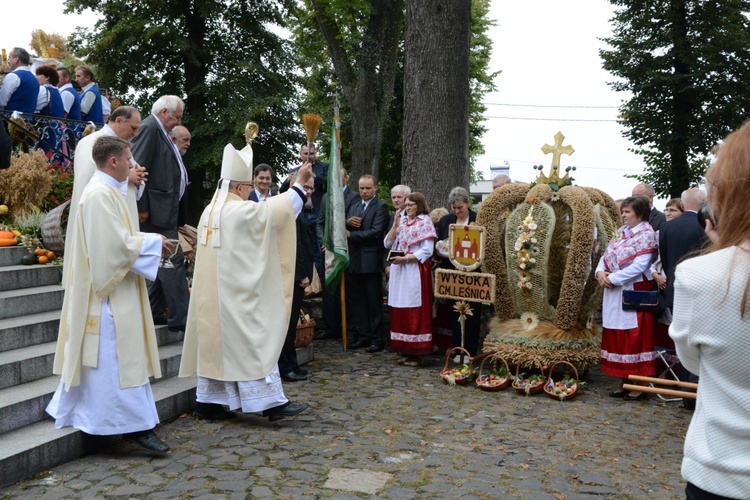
558, 149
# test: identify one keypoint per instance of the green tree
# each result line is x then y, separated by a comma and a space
361, 42
222, 57
685, 64
321, 83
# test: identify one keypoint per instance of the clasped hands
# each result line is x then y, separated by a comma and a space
603, 278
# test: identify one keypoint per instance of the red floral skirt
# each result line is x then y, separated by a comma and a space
631, 352
411, 327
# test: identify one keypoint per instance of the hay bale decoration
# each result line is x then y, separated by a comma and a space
541, 242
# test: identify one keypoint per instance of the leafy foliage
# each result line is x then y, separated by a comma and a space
686, 64
322, 83
223, 57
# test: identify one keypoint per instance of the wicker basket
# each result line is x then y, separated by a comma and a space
53, 228
489, 381
450, 376
526, 386
305, 330
558, 389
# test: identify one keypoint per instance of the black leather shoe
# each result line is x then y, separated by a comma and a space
289, 410
640, 397
374, 348
325, 336
301, 371
293, 377
147, 440
211, 411
357, 345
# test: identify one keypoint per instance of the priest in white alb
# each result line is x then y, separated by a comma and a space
242, 294
124, 123
106, 346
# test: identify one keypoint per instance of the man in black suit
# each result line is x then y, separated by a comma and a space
655, 218
679, 238
163, 205
332, 301
303, 273
366, 224
315, 204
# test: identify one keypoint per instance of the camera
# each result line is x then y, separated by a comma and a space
704, 214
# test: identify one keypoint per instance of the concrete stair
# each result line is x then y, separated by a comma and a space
30, 302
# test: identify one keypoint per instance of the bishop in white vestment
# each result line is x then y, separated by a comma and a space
106, 346
242, 292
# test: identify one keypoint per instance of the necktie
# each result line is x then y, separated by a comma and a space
362, 209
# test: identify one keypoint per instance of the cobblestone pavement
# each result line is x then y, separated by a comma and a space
379, 430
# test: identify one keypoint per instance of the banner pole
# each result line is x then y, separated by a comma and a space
342, 298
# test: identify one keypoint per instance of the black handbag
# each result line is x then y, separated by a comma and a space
641, 300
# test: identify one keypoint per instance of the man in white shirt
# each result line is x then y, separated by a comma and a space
20, 90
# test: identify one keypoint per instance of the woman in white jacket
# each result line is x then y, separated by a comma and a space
711, 330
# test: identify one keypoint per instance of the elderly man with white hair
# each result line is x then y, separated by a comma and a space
163, 206
500, 180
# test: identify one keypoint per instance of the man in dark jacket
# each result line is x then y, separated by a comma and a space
366, 224
678, 239
303, 273
159, 208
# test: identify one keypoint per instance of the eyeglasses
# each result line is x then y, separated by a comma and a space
410, 204
309, 189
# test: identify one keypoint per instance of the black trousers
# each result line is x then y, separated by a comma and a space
692, 492
169, 295
288, 357
332, 311
364, 307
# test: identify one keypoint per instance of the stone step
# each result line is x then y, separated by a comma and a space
27, 364
32, 329
16, 277
39, 446
24, 404
14, 303
11, 256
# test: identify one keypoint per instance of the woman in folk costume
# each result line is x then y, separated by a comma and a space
231, 343
106, 346
410, 288
627, 336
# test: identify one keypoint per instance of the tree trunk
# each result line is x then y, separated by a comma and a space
196, 66
683, 99
436, 97
367, 77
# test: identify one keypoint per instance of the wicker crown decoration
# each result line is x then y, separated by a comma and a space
543, 243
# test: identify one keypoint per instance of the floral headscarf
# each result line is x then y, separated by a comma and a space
628, 244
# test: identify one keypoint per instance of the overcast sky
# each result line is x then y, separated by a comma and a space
551, 81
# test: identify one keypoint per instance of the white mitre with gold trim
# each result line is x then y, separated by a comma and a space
235, 166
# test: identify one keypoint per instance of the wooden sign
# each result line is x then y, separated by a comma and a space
466, 246
458, 285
